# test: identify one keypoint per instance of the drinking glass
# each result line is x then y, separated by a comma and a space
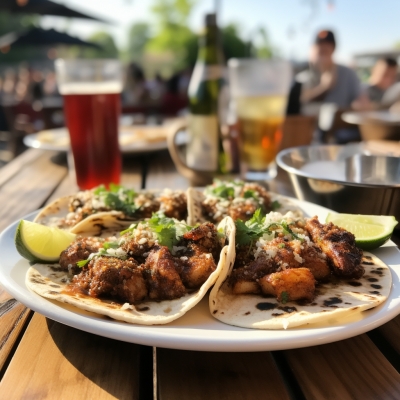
91, 91
259, 89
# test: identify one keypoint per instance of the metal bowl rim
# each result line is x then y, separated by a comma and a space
295, 171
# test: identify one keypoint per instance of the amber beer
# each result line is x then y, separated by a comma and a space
91, 91
259, 89
260, 121
92, 120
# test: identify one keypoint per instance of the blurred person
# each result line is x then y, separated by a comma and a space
135, 91
50, 88
156, 87
22, 85
326, 82
9, 85
383, 76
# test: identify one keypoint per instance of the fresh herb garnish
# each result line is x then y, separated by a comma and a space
168, 230
131, 228
104, 252
250, 194
284, 297
118, 198
286, 227
275, 205
249, 231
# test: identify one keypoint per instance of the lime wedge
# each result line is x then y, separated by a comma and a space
40, 243
371, 231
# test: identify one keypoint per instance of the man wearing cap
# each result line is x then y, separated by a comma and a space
326, 82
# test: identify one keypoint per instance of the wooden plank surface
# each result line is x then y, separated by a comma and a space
191, 375
349, 369
29, 188
54, 361
391, 332
25, 184
163, 174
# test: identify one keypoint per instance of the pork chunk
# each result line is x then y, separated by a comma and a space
113, 277
289, 285
205, 235
245, 279
162, 278
198, 265
78, 251
339, 246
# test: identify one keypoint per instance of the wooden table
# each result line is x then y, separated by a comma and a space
43, 359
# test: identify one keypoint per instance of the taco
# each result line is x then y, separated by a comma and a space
237, 199
291, 271
67, 212
153, 273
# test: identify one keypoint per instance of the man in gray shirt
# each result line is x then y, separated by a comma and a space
327, 82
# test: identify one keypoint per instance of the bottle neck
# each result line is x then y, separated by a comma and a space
209, 46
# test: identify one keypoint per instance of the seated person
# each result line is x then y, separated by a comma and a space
327, 82
383, 76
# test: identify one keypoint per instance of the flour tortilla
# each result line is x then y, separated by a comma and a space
196, 197
337, 301
54, 214
49, 281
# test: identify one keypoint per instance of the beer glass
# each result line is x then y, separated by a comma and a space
91, 91
259, 89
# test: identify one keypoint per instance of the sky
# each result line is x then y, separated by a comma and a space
359, 25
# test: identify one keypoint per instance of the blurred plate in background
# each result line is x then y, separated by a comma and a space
132, 139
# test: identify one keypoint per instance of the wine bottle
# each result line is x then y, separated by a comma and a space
204, 149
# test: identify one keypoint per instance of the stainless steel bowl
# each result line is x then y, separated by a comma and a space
344, 178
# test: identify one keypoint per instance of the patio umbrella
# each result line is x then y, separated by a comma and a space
42, 7
42, 37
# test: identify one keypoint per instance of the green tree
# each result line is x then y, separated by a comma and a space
264, 50
173, 35
17, 23
106, 42
138, 36
232, 44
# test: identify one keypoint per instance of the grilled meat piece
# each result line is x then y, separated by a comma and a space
262, 192
138, 243
245, 279
197, 266
243, 256
205, 235
339, 246
78, 251
174, 204
110, 276
289, 285
160, 272
147, 203
243, 210
296, 254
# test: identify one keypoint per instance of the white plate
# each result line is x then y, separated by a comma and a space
198, 330
58, 140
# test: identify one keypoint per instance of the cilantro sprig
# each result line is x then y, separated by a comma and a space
168, 230
223, 190
248, 232
102, 252
118, 198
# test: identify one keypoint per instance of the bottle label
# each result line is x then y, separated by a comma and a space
202, 147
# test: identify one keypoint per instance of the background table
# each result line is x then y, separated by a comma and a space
43, 359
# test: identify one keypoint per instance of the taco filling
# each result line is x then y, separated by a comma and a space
160, 259
285, 257
236, 199
133, 204
290, 271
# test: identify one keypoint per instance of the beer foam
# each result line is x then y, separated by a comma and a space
90, 87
